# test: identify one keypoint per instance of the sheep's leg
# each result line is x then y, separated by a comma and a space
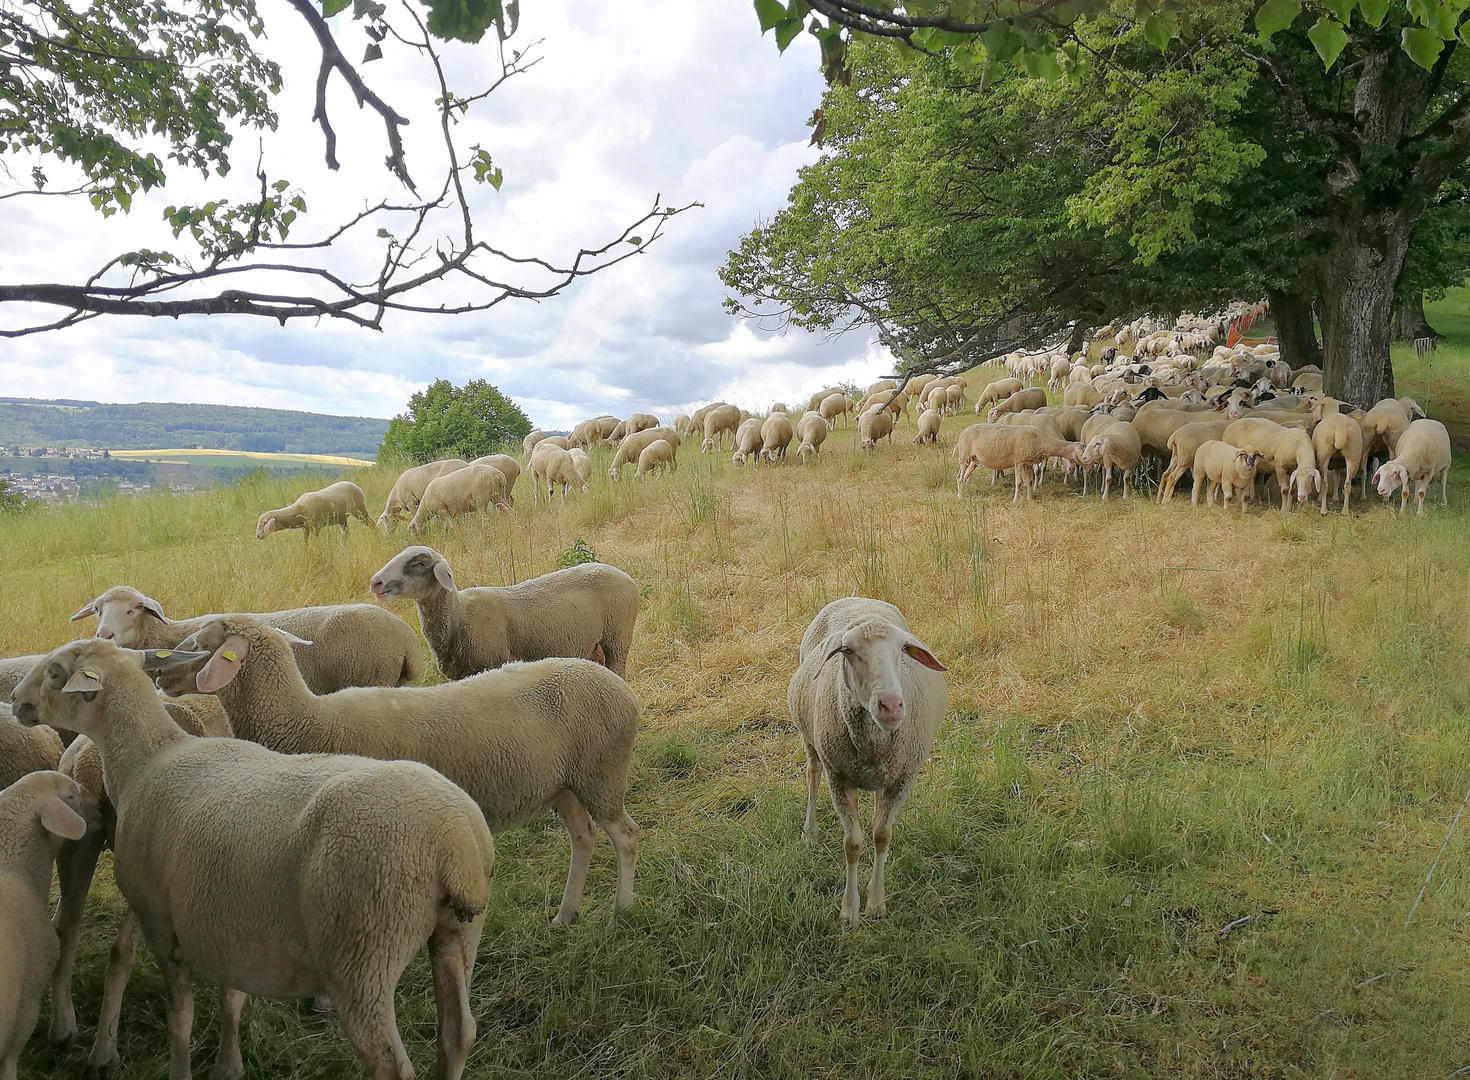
229, 1065
371, 1026
1170, 481
622, 830
845, 801
1420, 488
1199, 482
1444, 487
579, 828
885, 810
452, 955
1107, 471
813, 782
75, 866
179, 995
119, 967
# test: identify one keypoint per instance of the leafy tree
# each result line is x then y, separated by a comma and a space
12, 499
453, 421
101, 100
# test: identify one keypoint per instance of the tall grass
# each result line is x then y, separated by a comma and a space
1161, 721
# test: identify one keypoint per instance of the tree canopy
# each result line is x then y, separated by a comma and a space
445, 421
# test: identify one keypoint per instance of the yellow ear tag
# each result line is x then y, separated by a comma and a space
161, 653
229, 654
89, 673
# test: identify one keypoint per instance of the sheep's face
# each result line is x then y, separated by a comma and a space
413, 574
122, 615
1306, 482
265, 525
871, 654
1390, 477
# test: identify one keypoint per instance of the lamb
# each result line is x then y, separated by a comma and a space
996, 392
509, 466
718, 422
657, 456
633, 445
552, 734
37, 813
408, 489
584, 611
529, 442
867, 721
313, 510
1287, 451
1338, 435
929, 422
1220, 465
1030, 398
551, 465
834, 405
1423, 453
776, 436
1000, 447
1116, 448
1183, 443
356, 644
25, 750
471, 490
281, 875
875, 424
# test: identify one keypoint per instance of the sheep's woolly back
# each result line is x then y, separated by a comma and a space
25, 750
13, 669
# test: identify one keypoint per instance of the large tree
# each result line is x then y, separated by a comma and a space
102, 101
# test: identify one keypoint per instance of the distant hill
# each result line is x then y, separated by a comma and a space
155, 426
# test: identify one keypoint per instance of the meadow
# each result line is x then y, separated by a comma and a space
1162, 722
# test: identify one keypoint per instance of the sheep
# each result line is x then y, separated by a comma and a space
1183, 442
657, 456
1383, 425
718, 422
835, 405
509, 466
1338, 435
867, 721
356, 644
936, 397
882, 384
811, 433
681, 423
37, 813
915, 387
557, 440
747, 441
1061, 370
583, 611
273, 874
77, 862
473, 489
529, 442
551, 734
1030, 398
1116, 448
1308, 380
551, 465
15, 668
25, 750
1287, 450
955, 399
633, 445
875, 424
582, 463
1002, 447
640, 421
618, 432
929, 422
1423, 453
313, 510
822, 395
408, 489
1220, 465
1083, 395
776, 436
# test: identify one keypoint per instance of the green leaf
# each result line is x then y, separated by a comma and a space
332, 7
635, 240
374, 52
1002, 41
1423, 46
1328, 38
771, 13
1374, 11
1159, 30
1276, 15
1343, 9
786, 32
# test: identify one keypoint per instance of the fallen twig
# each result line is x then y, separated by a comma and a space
1443, 844
1244, 921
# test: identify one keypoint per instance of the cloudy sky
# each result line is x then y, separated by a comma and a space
679, 98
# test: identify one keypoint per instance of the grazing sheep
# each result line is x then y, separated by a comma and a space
955, 399
1032, 397
356, 644
776, 436
1226, 468
557, 440
408, 489
313, 510
37, 813
875, 424
582, 463
811, 430
274, 874
1183, 442
681, 423
929, 422
529, 442
747, 441
1116, 448
834, 405
881, 385
618, 432
1423, 453
551, 465
585, 611
509, 466
657, 456
867, 698
25, 750
1000, 447
475, 489
1082, 395
1287, 451
1383, 425
1338, 435
936, 397
720, 421
15, 668
916, 386
634, 444
1061, 370
822, 395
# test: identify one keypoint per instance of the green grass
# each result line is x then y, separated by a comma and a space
1160, 721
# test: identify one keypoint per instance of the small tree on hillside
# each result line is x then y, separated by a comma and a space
453, 421
12, 499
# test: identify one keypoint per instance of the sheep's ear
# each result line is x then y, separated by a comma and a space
830, 648
292, 639
155, 660
920, 652
56, 817
224, 665
270, 526
153, 607
84, 680
443, 574
90, 609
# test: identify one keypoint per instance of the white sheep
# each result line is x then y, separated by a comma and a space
1338, 435
747, 441
1220, 466
867, 698
37, 813
776, 436
929, 422
1033, 397
553, 467
657, 456
586, 611
554, 734
834, 405
999, 447
812, 430
720, 421
1286, 451
275, 874
875, 424
356, 644
582, 464
509, 466
408, 489
15, 668
334, 504
25, 750
634, 443
1118, 447
529, 442
996, 392
1423, 452
475, 489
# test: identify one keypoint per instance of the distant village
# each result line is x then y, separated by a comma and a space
53, 488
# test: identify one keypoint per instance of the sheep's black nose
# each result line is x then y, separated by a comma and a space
26, 713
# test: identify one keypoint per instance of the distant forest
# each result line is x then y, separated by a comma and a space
154, 426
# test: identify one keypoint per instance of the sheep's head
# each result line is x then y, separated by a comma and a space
1390, 477
69, 688
1413, 409
217, 652
413, 574
707, 447
871, 654
122, 614
266, 524
1307, 482
55, 802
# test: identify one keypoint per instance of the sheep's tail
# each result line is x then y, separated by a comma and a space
464, 875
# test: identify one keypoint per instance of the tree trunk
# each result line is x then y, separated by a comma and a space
1355, 283
1409, 321
1295, 328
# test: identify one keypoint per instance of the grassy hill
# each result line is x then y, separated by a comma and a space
1161, 721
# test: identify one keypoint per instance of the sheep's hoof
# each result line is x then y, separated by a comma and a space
560, 919
322, 1004
105, 1061
62, 1036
